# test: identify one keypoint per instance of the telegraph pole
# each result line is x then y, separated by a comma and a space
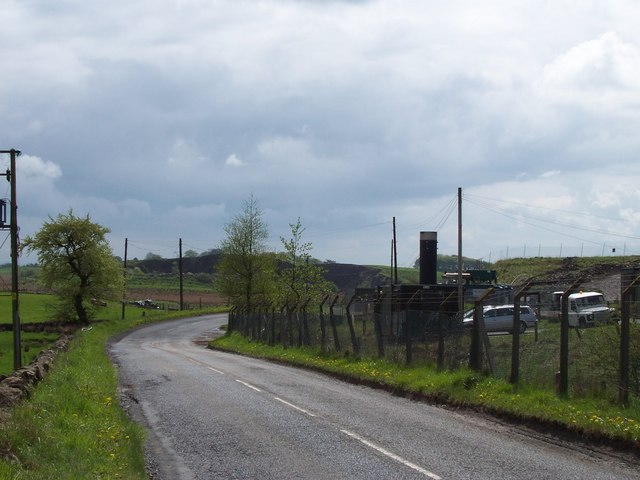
180, 273
13, 227
124, 274
395, 254
460, 286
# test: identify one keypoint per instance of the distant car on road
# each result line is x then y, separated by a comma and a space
499, 318
148, 303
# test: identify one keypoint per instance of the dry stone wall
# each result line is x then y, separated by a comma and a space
18, 385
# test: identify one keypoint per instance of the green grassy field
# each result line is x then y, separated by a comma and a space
34, 308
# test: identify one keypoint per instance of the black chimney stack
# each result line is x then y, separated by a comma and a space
428, 258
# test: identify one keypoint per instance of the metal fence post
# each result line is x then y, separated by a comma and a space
626, 297
352, 330
563, 381
441, 331
378, 325
515, 336
477, 332
323, 328
334, 328
283, 326
305, 324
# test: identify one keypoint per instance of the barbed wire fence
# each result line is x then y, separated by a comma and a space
418, 325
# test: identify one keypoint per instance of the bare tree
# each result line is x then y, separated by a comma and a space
300, 279
245, 269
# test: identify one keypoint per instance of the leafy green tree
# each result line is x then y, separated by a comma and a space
300, 278
245, 269
76, 262
190, 254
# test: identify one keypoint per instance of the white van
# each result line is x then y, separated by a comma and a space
586, 308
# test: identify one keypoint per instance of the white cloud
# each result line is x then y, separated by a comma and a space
31, 166
234, 161
631, 215
603, 73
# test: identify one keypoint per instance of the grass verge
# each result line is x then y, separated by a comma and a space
72, 426
595, 420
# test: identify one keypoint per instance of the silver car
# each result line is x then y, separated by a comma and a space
499, 318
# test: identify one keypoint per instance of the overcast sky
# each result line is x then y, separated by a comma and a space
158, 118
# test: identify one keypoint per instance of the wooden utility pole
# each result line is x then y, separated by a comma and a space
395, 253
13, 227
460, 286
124, 275
180, 273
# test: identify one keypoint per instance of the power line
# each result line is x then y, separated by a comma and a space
528, 220
346, 229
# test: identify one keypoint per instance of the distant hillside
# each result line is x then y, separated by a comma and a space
597, 273
345, 276
201, 264
515, 270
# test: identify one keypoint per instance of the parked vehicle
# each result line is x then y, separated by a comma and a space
500, 318
148, 303
586, 309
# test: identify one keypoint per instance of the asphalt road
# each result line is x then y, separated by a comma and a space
213, 415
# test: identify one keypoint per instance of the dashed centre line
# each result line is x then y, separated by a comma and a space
392, 455
249, 385
355, 436
295, 407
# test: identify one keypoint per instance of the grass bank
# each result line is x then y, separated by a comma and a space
72, 426
592, 419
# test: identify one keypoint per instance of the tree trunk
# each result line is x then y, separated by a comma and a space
83, 317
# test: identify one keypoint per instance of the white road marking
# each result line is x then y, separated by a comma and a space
355, 436
295, 407
249, 385
392, 455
